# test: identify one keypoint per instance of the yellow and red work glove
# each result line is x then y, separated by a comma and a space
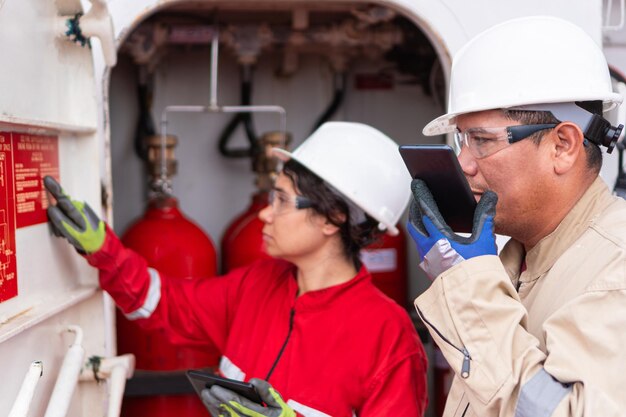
222, 402
74, 220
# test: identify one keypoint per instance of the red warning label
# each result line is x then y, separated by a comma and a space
24, 161
34, 157
8, 274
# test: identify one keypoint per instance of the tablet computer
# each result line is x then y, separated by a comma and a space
438, 167
201, 380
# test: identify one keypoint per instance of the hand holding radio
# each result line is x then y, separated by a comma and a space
438, 246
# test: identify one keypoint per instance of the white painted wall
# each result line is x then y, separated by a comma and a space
47, 87
614, 42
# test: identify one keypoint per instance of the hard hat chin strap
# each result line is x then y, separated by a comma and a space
596, 129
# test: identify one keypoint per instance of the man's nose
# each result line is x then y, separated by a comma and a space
467, 162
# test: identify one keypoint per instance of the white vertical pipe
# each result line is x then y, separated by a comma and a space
25, 395
215, 44
68, 376
117, 383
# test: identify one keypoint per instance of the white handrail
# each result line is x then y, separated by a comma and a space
27, 390
68, 376
116, 369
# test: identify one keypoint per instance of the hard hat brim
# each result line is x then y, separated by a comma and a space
285, 156
446, 123
282, 154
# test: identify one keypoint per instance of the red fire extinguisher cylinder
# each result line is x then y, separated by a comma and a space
175, 247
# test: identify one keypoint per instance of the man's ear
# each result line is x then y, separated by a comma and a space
567, 146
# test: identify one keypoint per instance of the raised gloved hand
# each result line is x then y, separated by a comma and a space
222, 402
438, 246
74, 220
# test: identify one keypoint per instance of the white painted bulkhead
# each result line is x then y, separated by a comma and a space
47, 88
47, 84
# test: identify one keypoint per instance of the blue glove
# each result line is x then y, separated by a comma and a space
438, 246
222, 402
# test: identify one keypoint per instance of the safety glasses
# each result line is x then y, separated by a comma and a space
281, 202
485, 141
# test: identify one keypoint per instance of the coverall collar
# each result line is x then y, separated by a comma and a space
313, 300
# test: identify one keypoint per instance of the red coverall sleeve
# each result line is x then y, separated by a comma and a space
192, 312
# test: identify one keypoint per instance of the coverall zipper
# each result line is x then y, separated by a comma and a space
282, 349
465, 366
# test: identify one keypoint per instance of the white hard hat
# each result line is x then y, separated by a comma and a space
360, 162
529, 60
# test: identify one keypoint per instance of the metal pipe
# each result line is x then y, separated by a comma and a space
116, 390
163, 169
224, 109
215, 44
213, 107
27, 390
607, 18
282, 113
68, 376
117, 369
338, 96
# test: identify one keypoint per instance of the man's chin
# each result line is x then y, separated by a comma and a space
502, 229
498, 227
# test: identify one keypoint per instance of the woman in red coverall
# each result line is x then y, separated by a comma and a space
308, 324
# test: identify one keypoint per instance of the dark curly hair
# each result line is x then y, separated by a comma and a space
334, 207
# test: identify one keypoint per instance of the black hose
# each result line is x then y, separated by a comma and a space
337, 100
246, 99
245, 118
617, 75
620, 153
619, 188
145, 124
